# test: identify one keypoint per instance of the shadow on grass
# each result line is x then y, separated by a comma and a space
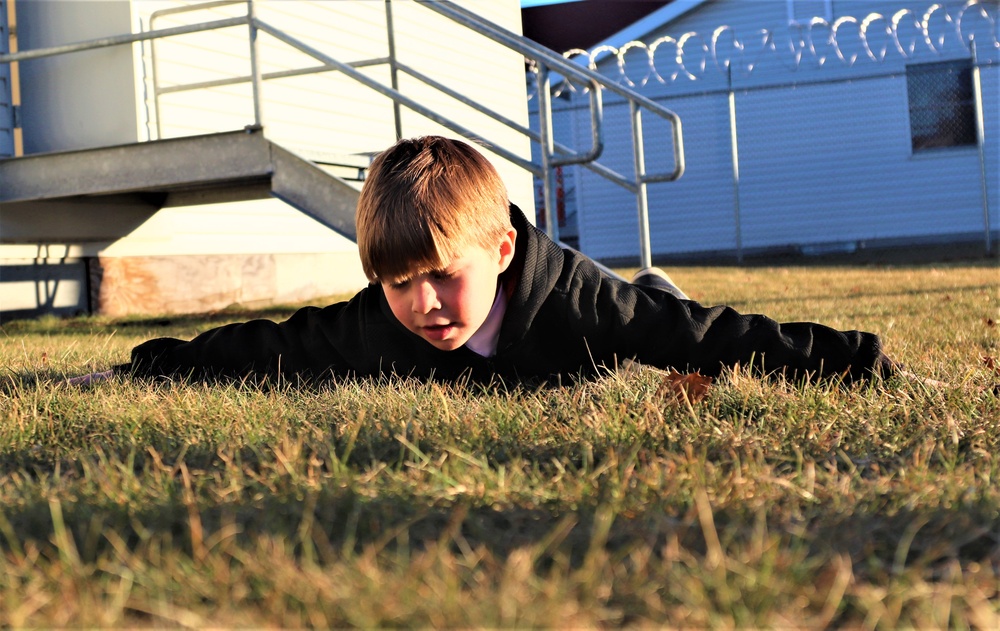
80, 325
334, 517
338, 521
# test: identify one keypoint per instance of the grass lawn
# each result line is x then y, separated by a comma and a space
611, 502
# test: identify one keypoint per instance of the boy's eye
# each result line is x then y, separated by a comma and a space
399, 284
442, 274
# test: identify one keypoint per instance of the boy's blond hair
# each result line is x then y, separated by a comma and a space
426, 200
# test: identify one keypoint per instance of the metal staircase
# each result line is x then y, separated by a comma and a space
282, 174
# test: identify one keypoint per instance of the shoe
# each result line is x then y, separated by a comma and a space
655, 277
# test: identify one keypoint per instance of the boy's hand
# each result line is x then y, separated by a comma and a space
934, 383
886, 366
86, 380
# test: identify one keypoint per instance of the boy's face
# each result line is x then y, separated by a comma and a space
446, 306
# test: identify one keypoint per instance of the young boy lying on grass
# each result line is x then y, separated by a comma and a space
462, 286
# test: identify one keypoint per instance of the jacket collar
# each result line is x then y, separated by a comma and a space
532, 274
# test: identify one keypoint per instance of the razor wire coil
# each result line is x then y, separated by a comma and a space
817, 43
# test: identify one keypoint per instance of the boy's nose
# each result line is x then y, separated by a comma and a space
425, 298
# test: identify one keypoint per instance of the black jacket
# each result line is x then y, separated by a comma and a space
564, 319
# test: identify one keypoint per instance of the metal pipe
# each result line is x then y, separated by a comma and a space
117, 40
278, 74
546, 150
255, 70
393, 71
977, 91
548, 62
155, 62
596, 127
393, 94
734, 142
596, 132
641, 199
464, 100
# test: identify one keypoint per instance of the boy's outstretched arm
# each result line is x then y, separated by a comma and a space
259, 348
659, 330
230, 351
720, 336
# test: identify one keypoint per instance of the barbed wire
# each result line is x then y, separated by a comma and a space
818, 43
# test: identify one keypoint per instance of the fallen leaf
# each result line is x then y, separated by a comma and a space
690, 387
992, 364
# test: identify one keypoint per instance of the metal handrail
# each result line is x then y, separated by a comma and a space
118, 40
569, 70
547, 62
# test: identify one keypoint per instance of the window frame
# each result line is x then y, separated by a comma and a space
961, 109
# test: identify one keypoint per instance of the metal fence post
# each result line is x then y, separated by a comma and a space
977, 91
734, 142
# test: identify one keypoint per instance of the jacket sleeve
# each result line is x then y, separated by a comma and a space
656, 328
709, 339
311, 343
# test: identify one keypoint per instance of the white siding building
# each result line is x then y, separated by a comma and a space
849, 124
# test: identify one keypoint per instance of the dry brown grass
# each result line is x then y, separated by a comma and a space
606, 503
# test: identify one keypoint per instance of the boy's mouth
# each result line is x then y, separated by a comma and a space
438, 332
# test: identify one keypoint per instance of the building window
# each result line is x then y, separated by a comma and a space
942, 111
803, 11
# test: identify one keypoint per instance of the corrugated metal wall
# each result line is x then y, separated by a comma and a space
825, 152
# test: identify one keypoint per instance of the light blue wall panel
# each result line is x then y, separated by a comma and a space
827, 163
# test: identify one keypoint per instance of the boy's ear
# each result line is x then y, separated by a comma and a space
507, 249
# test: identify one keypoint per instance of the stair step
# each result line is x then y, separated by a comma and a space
351, 167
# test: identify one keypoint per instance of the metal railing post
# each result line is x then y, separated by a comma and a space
154, 61
641, 198
393, 68
547, 148
255, 71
